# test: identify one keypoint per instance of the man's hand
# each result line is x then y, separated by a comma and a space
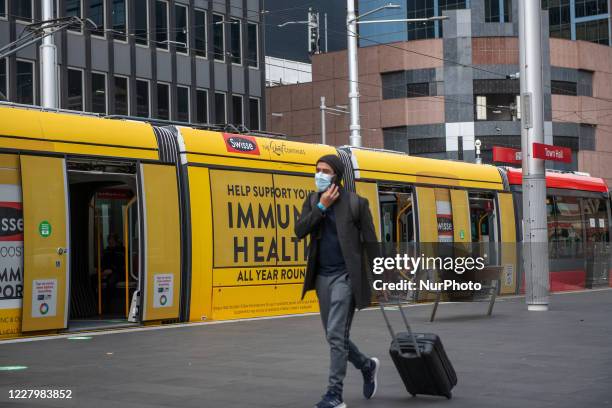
330, 196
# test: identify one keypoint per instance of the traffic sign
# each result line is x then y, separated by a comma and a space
552, 153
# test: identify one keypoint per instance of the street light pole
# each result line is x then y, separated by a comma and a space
351, 25
535, 229
323, 126
48, 62
351, 28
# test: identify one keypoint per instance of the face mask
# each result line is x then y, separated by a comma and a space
322, 181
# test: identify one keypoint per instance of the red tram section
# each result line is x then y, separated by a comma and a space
578, 219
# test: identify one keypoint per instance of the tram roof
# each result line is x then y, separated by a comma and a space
570, 181
34, 129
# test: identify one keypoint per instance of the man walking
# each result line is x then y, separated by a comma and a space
339, 222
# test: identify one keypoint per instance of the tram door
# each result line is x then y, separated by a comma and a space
162, 242
46, 238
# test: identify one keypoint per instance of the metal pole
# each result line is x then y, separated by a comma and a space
325, 32
323, 126
351, 25
48, 62
535, 233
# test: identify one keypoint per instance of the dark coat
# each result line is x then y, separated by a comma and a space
349, 235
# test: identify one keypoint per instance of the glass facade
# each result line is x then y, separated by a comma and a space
119, 22
96, 14
168, 92
591, 21
594, 31
161, 24
199, 29
372, 34
98, 92
180, 27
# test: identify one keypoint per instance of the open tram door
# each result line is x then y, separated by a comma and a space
46, 238
161, 232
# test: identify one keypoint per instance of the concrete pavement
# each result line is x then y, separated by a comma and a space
560, 358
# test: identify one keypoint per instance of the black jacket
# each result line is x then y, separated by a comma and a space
349, 235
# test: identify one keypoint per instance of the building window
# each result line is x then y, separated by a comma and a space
220, 108
491, 11
142, 98
593, 31
254, 114
119, 20
200, 33
163, 101
23, 9
75, 90
417, 90
161, 24
122, 96
421, 9
563, 88
141, 22
218, 35
96, 14
182, 104
558, 18
3, 80
481, 107
98, 93
237, 110
397, 85
74, 9
253, 43
585, 8
25, 82
496, 107
180, 24
496, 9
201, 106
2, 8
236, 41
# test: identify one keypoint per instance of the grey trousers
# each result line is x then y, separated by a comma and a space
337, 309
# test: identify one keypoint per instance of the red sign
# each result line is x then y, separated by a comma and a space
506, 155
241, 144
553, 153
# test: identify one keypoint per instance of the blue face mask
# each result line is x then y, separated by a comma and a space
322, 181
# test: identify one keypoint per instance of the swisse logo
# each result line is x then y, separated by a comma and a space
241, 144
11, 221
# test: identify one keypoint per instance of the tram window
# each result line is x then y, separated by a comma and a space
483, 217
397, 216
596, 220
567, 237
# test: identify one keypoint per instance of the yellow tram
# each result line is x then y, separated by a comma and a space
196, 225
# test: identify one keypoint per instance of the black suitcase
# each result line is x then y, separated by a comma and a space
421, 361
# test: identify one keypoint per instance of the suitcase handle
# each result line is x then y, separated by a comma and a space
393, 336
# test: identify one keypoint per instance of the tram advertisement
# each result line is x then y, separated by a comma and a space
255, 247
11, 257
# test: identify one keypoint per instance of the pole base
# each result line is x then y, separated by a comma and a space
537, 308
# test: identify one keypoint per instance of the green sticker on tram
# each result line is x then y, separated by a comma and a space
44, 229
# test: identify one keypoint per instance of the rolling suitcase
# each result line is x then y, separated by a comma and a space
421, 361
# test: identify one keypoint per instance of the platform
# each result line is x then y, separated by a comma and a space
516, 358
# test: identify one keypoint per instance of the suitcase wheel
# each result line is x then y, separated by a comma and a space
413, 395
449, 396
